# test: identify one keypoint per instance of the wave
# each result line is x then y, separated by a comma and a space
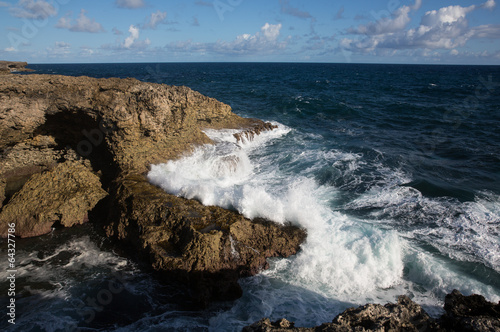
60, 282
370, 236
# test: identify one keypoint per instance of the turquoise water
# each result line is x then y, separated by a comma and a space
393, 170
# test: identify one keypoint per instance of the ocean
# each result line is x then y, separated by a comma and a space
394, 170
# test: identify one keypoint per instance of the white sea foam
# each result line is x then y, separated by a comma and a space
465, 231
345, 260
56, 283
342, 258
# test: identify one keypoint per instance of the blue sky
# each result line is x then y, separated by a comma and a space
377, 31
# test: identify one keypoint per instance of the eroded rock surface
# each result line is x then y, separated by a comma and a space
62, 196
463, 313
68, 142
7, 67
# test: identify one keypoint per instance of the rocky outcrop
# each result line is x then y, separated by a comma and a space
463, 313
470, 313
67, 142
7, 67
250, 133
185, 240
62, 196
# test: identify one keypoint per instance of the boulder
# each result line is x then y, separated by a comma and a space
62, 196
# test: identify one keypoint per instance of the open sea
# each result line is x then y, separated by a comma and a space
394, 170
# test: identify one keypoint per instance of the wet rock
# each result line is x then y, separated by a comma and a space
207, 246
463, 313
256, 129
405, 315
470, 313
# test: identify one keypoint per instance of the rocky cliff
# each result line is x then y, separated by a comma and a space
78, 148
7, 67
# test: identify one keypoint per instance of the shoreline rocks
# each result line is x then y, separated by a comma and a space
66, 143
7, 67
463, 313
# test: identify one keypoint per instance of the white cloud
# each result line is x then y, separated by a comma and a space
490, 4
155, 19
83, 24
33, 9
131, 42
10, 49
117, 32
131, 4
445, 28
4, 4
446, 15
264, 41
399, 20
60, 44
134, 35
60, 49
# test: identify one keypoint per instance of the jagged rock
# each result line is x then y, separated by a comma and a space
282, 325
463, 313
118, 128
63, 195
7, 67
207, 245
255, 130
137, 123
470, 313
405, 315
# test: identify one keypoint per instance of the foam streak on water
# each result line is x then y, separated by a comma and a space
346, 259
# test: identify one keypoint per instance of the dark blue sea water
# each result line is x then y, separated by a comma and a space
394, 170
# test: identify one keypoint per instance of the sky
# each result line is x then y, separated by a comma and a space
355, 31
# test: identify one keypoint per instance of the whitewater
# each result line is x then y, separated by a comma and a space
393, 176
346, 260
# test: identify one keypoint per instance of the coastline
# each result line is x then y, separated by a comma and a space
126, 190
72, 146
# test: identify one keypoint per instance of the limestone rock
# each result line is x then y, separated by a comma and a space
7, 67
463, 313
57, 131
470, 313
63, 195
405, 315
255, 130
209, 246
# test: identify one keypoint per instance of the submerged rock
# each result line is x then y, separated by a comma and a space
67, 142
